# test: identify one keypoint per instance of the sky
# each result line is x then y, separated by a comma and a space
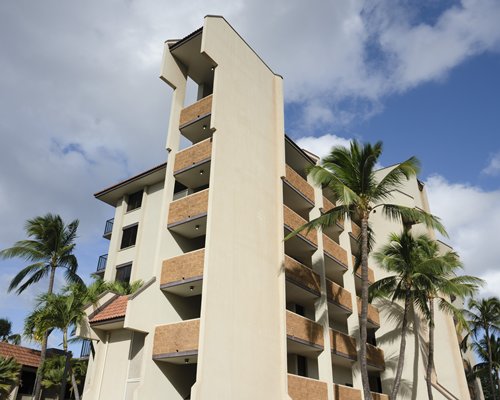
81, 105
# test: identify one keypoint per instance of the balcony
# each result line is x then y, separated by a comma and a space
188, 216
101, 264
177, 343
297, 193
339, 299
336, 229
303, 243
108, 229
192, 165
375, 358
373, 314
343, 348
302, 276
300, 388
341, 392
355, 236
183, 275
194, 122
335, 259
357, 280
305, 337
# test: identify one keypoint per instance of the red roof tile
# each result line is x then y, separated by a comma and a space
114, 309
23, 355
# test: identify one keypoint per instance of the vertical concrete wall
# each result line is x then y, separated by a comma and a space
242, 347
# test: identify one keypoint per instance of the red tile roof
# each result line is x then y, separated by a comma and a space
116, 308
23, 355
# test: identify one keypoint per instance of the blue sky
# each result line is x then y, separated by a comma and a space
81, 105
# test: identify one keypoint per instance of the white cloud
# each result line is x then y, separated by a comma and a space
322, 145
493, 167
472, 217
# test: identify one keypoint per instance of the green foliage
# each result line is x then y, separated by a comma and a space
50, 245
6, 334
124, 288
9, 375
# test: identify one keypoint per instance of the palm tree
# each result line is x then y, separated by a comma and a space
50, 247
438, 282
9, 375
56, 311
483, 317
6, 334
124, 288
488, 350
350, 174
401, 259
53, 375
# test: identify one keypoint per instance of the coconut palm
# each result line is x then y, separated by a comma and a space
483, 318
488, 351
57, 311
49, 247
350, 174
400, 258
124, 288
9, 375
6, 334
438, 282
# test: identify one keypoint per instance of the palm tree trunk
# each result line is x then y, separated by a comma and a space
402, 347
490, 363
430, 358
364, 310
37, 390
75, 386
67, 365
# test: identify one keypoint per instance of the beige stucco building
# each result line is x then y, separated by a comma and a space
229, 310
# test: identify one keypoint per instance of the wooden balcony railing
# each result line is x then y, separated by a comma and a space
195, 111
334, 250
343, 345
188, 207
193, 155
304, 330
293, 221
299, 184
176, 340
302, 275
184, 267
338, 295
301, 388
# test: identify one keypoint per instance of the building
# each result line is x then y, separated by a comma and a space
29, 359
229, 310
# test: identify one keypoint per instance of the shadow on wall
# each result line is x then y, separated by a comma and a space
182, 377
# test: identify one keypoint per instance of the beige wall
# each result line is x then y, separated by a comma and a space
242, 339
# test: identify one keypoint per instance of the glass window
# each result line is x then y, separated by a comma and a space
134, 200
123, 273
129, 236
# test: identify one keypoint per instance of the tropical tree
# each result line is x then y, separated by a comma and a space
62, 312
350, 174
439, 283
49, 247
483, 321
400, 258
53, 375
9, 375
124, 288
488, 350
6, 334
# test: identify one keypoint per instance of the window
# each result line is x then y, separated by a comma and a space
129, 236
134, 200
123, 273
301, 366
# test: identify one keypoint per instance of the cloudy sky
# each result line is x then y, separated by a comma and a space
81, 105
